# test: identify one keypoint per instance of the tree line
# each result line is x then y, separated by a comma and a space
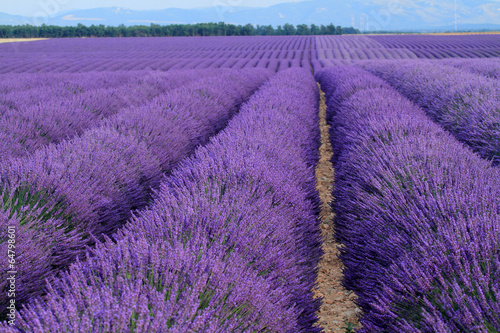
172, 30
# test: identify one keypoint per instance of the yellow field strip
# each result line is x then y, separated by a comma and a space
12, 40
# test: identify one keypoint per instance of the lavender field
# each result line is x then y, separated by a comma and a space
171, 184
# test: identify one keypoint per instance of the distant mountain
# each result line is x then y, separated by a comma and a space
366, 15
451, 28
8, 19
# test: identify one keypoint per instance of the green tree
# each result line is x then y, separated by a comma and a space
156, 30
314, 29
247, 30
289, 29
303, 29
330, 29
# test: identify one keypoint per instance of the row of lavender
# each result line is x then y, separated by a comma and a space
271, 52
65, 83
126, 48
40, 109
489, 67
122, 48
444, 46
63, 195
330, 51
466, 104
417, 212
283, 61
111, 54
229, 244
165, 64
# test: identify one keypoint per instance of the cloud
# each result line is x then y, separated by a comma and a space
155, 22
489, 14
72, 18
121, 10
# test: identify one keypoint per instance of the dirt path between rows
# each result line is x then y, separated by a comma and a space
338, 311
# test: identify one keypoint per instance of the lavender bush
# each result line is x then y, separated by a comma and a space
71, 83
271, 52
489, 67
336, 93
418, 215
173, 125
163, 54
38, 117
94, 182
230, 243
439, 46
465, 104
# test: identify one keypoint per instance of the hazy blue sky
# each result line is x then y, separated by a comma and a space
377, 14
32, 7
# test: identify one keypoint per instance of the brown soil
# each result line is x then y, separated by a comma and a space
338, 308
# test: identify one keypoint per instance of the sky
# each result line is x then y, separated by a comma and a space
362, 14
32, 7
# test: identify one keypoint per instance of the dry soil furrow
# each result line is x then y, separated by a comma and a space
338, 310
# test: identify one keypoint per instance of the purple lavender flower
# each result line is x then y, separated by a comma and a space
230, 242
417, 213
